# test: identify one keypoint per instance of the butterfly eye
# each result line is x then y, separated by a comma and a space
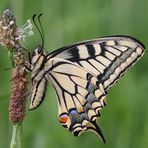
39, 50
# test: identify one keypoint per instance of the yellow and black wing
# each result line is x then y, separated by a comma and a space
81, 75
107, 58
80, 96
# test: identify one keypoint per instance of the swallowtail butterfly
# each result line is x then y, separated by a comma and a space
81, 75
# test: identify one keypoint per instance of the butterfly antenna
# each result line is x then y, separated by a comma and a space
41, 28
41, 33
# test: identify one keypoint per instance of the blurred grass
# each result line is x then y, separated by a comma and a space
124, 121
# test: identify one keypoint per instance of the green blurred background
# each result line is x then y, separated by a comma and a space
124, 121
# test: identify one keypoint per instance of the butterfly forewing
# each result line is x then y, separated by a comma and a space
107, 58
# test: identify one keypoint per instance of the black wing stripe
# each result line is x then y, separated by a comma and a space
75, 53
91, 50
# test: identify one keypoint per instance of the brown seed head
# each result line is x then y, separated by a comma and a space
8, 30
18, 95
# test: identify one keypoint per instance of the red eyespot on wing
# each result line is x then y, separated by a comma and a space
63, 118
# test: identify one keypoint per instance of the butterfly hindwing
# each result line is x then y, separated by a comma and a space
80, 96
107, 58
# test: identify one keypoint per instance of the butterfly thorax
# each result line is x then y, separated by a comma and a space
37, 61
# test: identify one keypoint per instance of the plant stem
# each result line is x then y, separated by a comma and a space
17, 140
20, 136
14, 137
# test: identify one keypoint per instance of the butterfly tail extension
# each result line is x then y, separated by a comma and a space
90, 126
97, 130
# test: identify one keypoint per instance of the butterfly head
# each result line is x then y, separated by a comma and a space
39, 51
38, 57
